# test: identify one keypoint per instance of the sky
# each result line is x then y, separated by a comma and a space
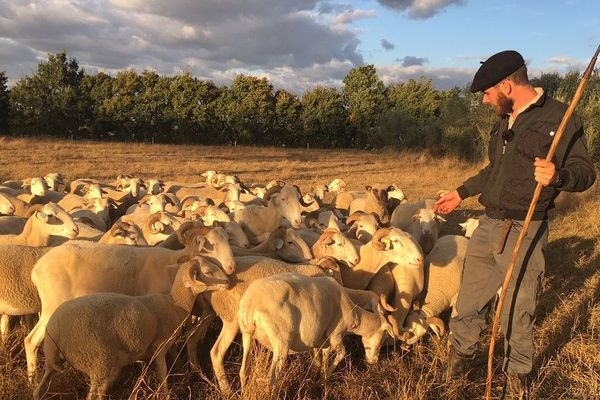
299, 44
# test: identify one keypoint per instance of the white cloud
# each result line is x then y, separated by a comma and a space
419, 9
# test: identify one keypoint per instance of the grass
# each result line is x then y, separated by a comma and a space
567, 329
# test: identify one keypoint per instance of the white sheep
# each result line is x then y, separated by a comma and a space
45, 221
225, 304
421, 222
101, 333
283, 243
78, 268
469, 226
376, 202
303, 313
18, 295
443, 271
6, 206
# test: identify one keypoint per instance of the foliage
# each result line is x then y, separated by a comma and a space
324, 118
48, 102
60, 99
4, 101
288, 115
550, 82
364, 95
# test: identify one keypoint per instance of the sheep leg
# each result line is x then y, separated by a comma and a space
280, 352
162, 371
197, 336
4, 326
247, 345
325, 352
32, 343
44, 385
217, 353
340, 353
99, 387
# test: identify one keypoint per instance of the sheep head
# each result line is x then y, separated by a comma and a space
6, 206
55, 220
333, 243
200, 275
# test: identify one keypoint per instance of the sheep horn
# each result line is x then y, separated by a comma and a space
150, 222
32, 209
353, 217
183, 231
377, 236
385, 304
392, 321
437, 322
119, 225
272, 191
173, 200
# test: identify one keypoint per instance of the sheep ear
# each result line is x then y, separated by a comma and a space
278, 243
369, 188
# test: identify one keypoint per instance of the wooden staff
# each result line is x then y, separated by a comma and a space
536, 196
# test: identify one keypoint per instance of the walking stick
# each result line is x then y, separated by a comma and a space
536, 196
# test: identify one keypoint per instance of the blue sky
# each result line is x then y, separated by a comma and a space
299, 44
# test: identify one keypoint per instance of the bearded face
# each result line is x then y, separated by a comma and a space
503, 105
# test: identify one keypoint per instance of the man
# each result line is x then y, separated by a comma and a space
519, 143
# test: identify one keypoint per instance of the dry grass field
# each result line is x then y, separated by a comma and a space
567, 330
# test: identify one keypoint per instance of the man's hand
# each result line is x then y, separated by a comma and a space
545, 172
447, 203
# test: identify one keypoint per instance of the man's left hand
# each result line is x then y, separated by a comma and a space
545, 172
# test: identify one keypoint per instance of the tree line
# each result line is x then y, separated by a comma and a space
62, 100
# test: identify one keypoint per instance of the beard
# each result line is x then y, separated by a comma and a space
504, 105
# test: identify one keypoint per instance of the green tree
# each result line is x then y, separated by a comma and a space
288, 115
364, 96
589, 109
324, 118
466, 124
413, 116
95, 90
48, 102
193, 110
567, 87
121, 106
249, 109
549, 81
4, 102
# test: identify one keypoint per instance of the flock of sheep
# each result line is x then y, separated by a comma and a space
117, 271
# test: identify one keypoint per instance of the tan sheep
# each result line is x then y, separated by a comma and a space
101, 333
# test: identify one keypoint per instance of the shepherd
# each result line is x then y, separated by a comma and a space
519, 143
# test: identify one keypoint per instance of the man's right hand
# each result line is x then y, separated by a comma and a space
447, 203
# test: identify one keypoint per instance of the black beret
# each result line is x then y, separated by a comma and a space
496, 68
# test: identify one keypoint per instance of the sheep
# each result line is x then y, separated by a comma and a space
6, 206
390, 245
97, 212
333, 243
421, 222
282, 244
363, 225
91, 192
18, 295
21, 208
124, 233
469, 226
55, 181
375, 201
156, 227
78, 268
45, 221
33, 187
395, 196
11, 224
225, 304
283, 203
154, 186
443, 271
323, 218
100, 334
303, 313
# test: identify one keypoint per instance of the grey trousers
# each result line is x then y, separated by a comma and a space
483, 274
